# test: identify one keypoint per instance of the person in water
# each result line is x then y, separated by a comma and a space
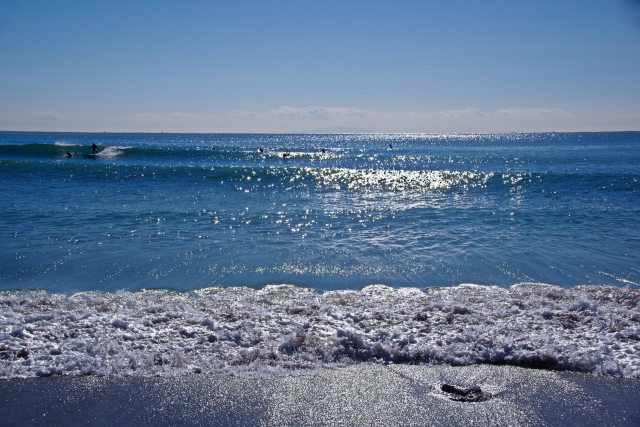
94, 147
261, 149
69, 155
286, 155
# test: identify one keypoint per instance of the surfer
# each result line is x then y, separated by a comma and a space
286, 155
69, 155
323, 151
261, 149
94, 147
390, 147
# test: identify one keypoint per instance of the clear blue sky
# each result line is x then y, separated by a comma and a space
270, 66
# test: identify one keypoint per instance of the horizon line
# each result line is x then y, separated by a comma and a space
320, 133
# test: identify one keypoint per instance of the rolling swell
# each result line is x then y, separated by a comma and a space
340, 168
261, 176
164, 155
259, 169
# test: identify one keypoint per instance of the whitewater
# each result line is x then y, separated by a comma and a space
282, 329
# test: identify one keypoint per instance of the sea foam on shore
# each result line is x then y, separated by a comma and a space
284, 330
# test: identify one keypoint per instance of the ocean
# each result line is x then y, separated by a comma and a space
166, 254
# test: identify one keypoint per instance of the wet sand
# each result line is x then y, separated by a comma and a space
364, 394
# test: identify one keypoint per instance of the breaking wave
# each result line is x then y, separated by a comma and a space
285, 330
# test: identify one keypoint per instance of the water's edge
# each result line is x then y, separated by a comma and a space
288, 330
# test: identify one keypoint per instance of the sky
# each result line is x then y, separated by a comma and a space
320, 66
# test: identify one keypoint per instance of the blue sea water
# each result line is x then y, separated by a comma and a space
301, 252
187, 211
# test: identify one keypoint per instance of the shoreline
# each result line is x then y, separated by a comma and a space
283, 328
364, 394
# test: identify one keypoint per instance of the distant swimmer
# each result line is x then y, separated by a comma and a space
286, 155
213, 148
323, 151
94, 147
261, 149
390, 147
69, 155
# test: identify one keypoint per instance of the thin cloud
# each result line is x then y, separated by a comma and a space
469, 111
503, 112
48, 116
245, 114
311, 112
531, 112
289, 118
328, 113
173, 116
629, 115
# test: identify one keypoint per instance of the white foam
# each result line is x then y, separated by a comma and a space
283, 330
110, 151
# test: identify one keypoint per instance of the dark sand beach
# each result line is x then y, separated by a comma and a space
364, 394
